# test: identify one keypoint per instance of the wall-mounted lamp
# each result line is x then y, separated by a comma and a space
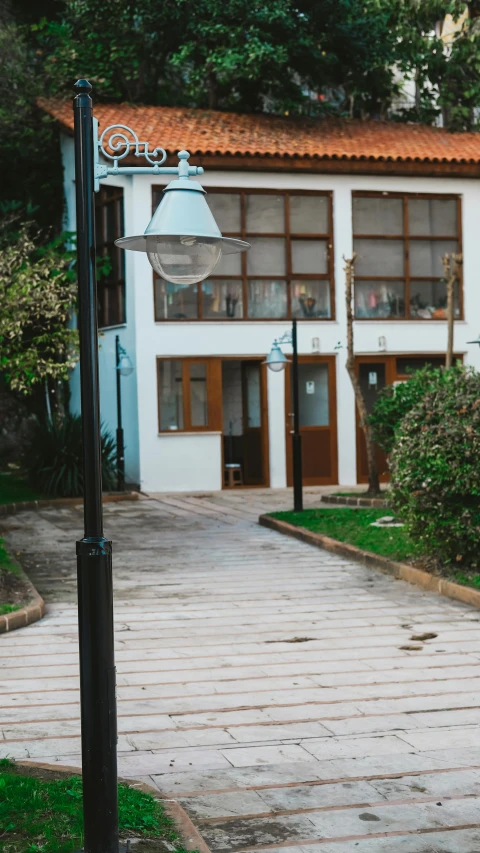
382, 343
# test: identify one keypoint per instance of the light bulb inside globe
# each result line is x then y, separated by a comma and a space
276, 366
184, 260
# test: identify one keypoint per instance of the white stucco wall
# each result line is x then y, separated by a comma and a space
160, 470
126, 332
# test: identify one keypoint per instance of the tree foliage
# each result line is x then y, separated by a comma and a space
435, 465
37, 294
394, 402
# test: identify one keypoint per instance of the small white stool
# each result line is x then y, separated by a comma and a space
233, 475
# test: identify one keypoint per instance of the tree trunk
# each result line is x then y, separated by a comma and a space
373, 482
451, 268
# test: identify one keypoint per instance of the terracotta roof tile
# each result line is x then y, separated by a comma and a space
211, 132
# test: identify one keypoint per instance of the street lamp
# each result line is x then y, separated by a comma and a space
123, 367
276, 361
184, 242
477, 341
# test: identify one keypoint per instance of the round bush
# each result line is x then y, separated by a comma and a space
435, 464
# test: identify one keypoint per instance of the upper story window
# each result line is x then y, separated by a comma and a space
400, 240
288, 272
109, 226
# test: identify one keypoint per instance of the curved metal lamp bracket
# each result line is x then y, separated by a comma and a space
118, 141
286, 338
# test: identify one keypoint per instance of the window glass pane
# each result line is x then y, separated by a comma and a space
226, 210
309, 256
229, 265
426, 256
171, 395
311, 299
428, 300
265, 213
198, 395
157, 195
379, 257
309, 214
222, 300
313, 394
267, 299
266, 256
175, 301
377, 215
377, 299
110, 229
432, 217
254, 410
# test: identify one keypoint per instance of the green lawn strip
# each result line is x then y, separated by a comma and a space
8, 608
14, 489
13, 589
466, 580
354, 527
45, 814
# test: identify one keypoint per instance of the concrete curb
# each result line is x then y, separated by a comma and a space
63, 503
32, 612
400, 571
189, 834
344, 500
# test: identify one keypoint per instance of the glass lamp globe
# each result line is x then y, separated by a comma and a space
125, 366
183, 260
276, 360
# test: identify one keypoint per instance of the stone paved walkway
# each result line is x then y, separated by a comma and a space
284, 696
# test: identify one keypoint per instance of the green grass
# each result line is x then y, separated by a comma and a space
466, 580
8, 608
6, 564
44, 814
353, 526
13, 489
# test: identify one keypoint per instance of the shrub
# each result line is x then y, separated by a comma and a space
54, 462
435, 464
394, 402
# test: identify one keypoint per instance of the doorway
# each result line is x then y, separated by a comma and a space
245, 433
318, 420
374, 373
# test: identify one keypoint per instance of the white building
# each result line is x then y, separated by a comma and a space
305, 194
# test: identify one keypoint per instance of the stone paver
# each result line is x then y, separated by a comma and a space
272, 689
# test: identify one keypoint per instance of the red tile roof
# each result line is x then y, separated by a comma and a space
218, 133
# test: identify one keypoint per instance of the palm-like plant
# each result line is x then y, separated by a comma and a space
54, 462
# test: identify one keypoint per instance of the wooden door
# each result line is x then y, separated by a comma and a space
318, 420
252, 423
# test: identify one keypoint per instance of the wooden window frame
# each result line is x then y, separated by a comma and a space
214, 394
115, 197
406, 239
243, 278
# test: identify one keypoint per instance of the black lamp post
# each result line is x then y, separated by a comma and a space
123, 367
276, 361
183, 243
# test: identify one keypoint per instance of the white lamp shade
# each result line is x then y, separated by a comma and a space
183, 242
276, 360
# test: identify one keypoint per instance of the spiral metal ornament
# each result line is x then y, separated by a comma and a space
122, 141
